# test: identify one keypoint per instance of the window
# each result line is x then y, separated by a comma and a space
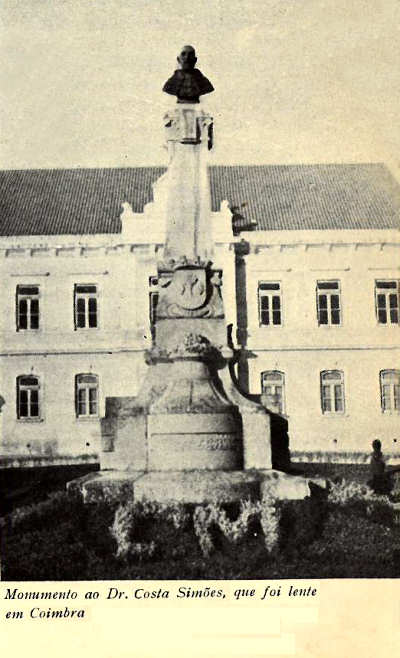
387, 302
269, 303
28, 397
390, 391
85, 304
273, 388
332, 392
86, 395
328, 302
27, 308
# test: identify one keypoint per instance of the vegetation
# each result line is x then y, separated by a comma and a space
350, 533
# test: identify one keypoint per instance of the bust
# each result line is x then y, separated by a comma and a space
188, 83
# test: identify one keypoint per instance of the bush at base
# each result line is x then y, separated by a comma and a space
350, 533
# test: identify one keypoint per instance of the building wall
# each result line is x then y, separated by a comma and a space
301, 349
121, 268
57, 352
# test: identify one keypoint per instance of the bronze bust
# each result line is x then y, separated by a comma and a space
188, 83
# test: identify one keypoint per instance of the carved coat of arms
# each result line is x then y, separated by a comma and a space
189, 288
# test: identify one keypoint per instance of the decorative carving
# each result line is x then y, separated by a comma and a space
188, 287
190, 293
189, 126
171, 264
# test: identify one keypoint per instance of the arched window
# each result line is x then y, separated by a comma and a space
28, 403
390, 391
86, 395
332, 392
273, 390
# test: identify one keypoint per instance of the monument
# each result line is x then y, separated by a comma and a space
189, 435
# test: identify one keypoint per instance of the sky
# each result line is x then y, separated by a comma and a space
296, 81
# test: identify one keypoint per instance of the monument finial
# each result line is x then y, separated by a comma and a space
188, 83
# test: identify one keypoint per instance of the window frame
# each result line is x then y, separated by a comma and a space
329, 293
29, 297
380, 291
332, 384
279, 383
86, 386
270, 294
86, 296
394, 397
20, 387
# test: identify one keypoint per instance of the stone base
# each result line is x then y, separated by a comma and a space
194, 487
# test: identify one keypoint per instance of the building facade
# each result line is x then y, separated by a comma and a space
310, 257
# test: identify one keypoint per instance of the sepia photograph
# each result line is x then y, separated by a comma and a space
200, 275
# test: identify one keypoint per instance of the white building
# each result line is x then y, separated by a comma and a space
312, 294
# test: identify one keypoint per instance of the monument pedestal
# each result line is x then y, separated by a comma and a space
189, 436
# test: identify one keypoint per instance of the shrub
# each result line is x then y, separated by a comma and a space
351, 535
212, 515
135, 520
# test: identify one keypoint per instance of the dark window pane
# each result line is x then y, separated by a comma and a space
23, 403
88, 379
92, 401
22, 314
382, 318
264, 317
154, 296
35, 314
92, 312
273, 376
335, 317
28, 290
338, 398
269, 286
394, 316
381, 301
81, 402
328, 285
23, 321
323, 301
397, 397
393, 301
276, 303
265, 303
386, 284
34, 403
276, 317
86, 289
335, 301
326, 398
23, 306
23, 410
28, 381
80, 312
323, 317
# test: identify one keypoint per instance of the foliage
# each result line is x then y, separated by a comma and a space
129, 520
235, 531
350, 533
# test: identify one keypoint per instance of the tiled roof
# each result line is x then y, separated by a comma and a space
277, 197
296, 197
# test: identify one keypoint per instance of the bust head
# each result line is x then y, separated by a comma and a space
187, 58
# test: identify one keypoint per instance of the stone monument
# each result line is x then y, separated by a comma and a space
189, 435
